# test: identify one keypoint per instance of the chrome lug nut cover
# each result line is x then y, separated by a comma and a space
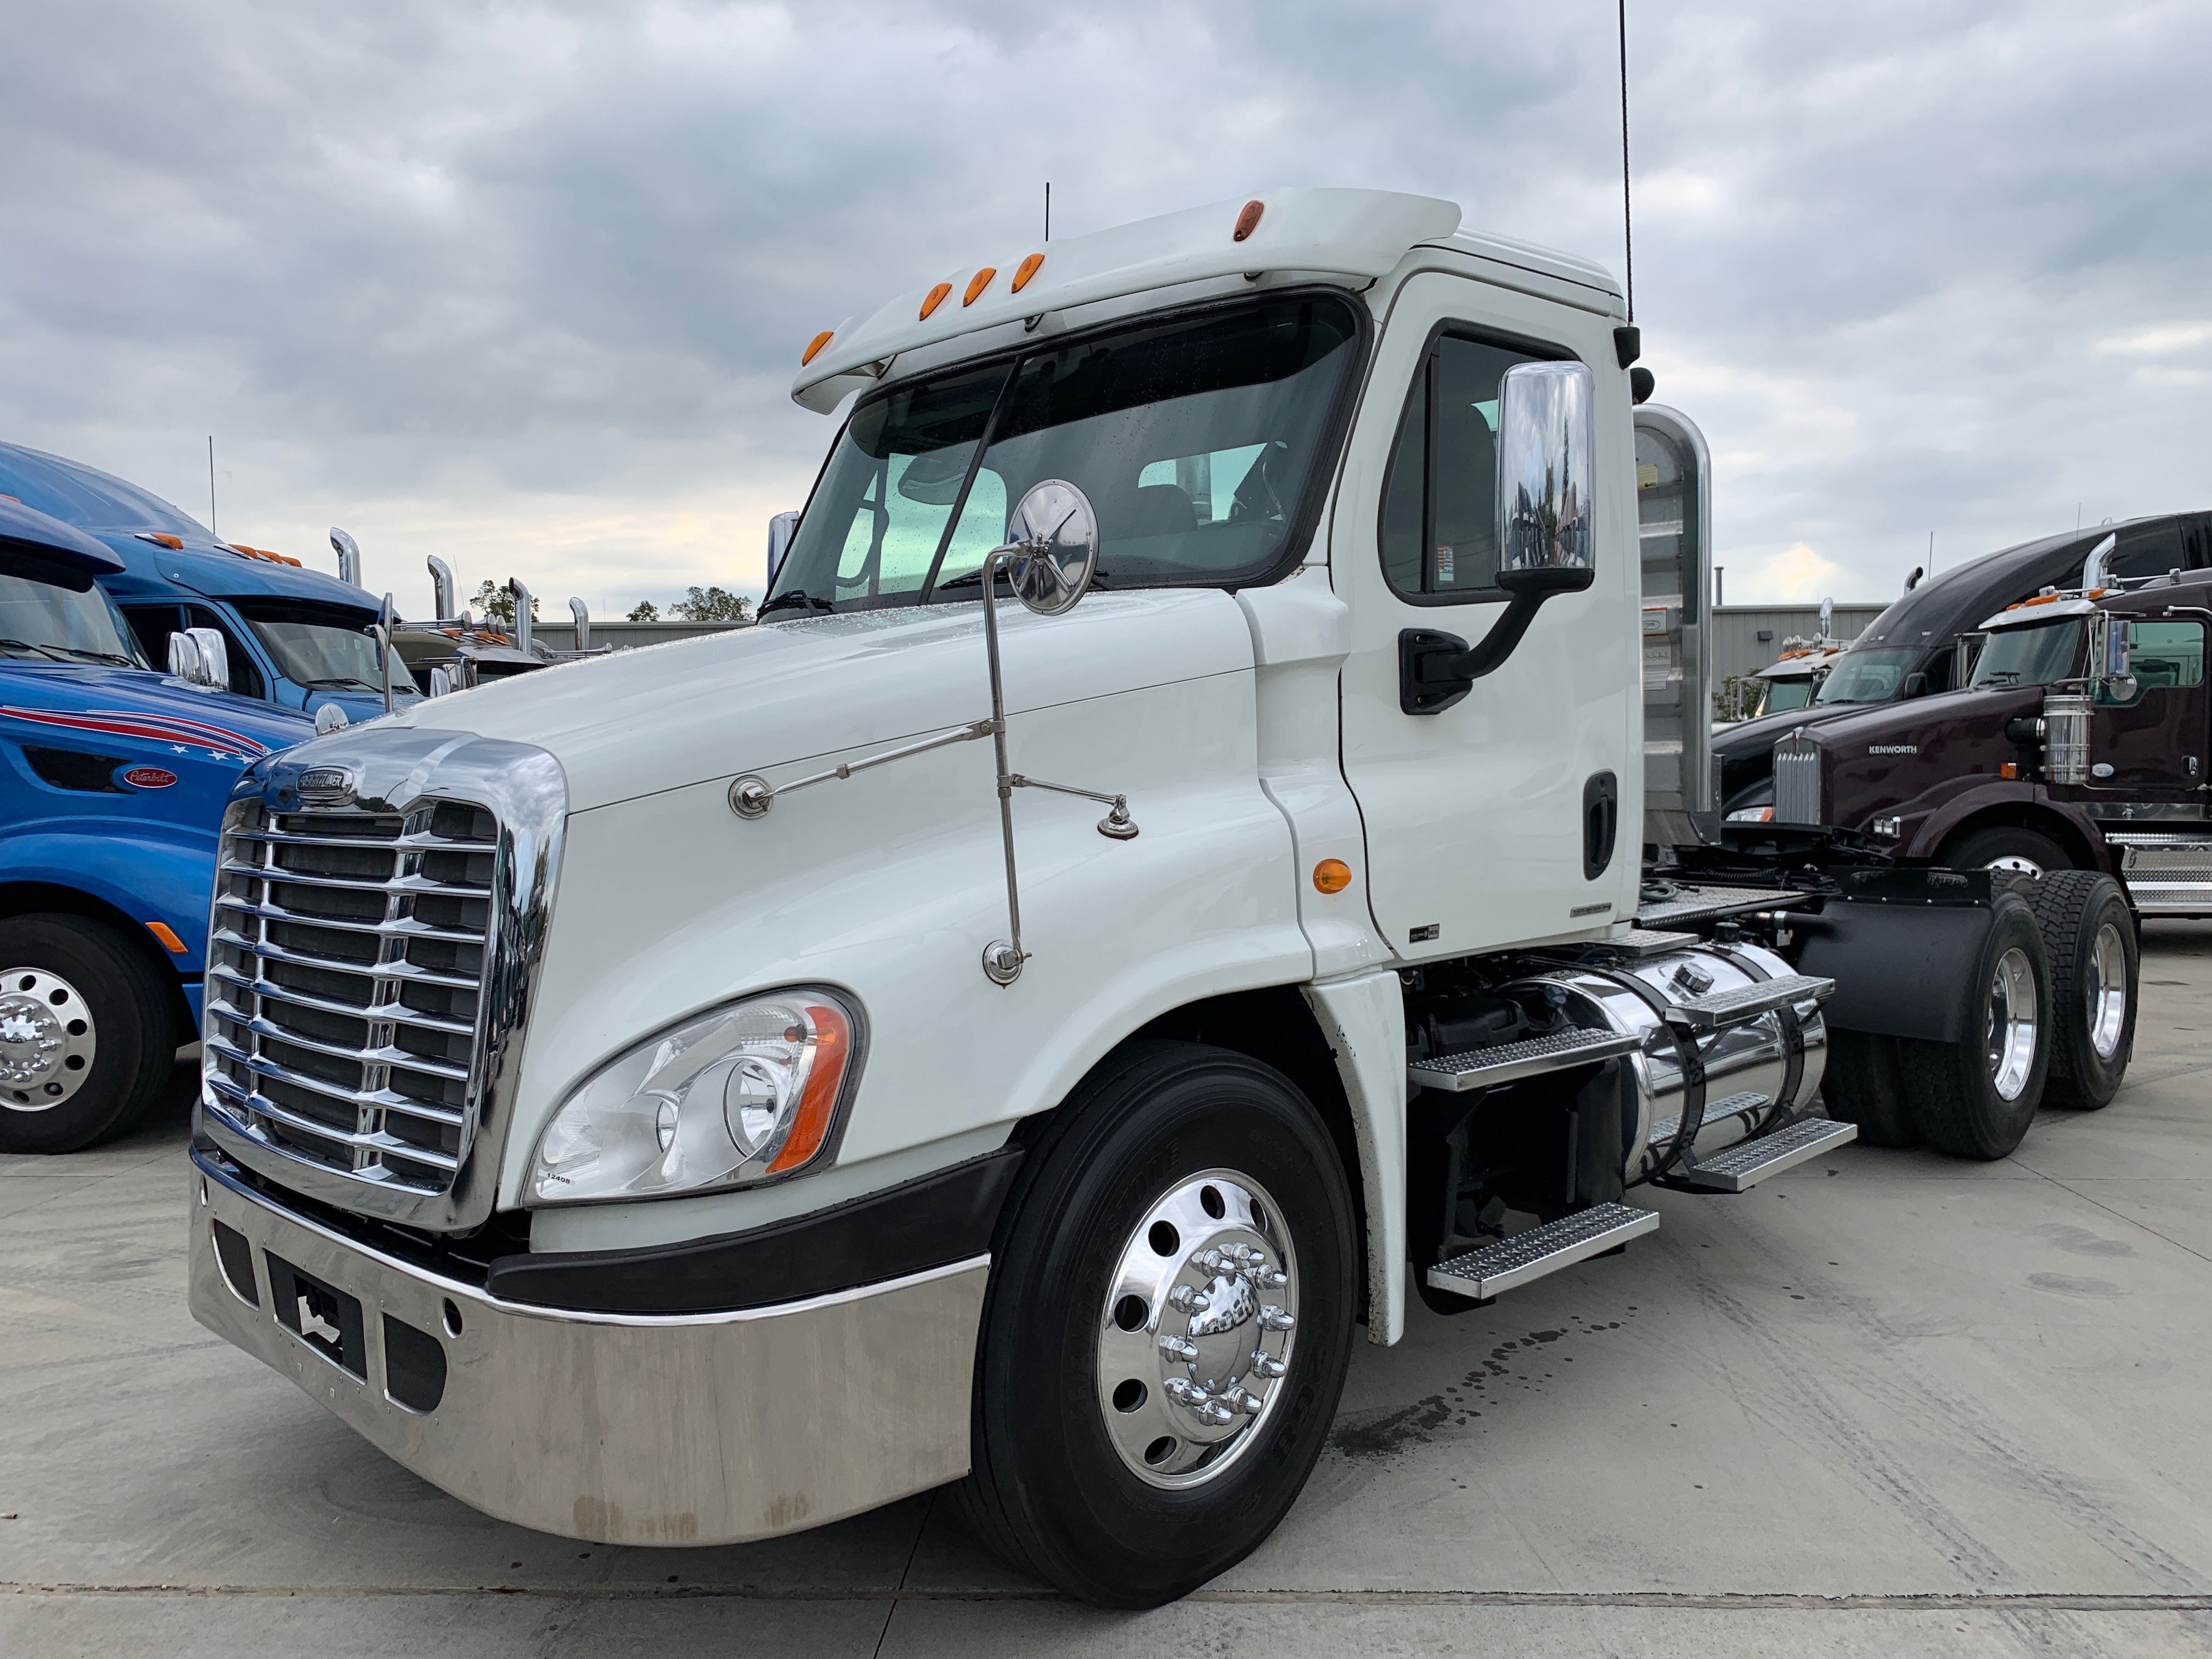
47, 1040
1190, 1359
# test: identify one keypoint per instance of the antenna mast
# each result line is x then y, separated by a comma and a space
1627, 221
210, 483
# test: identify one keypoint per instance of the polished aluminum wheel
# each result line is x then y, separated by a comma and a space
1199, 1320
2011, 1033
2025, 866
2105, 988
47, 1042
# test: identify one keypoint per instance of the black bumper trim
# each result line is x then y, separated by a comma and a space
940, 1219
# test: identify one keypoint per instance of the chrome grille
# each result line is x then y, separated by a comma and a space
345, 973
1797, 778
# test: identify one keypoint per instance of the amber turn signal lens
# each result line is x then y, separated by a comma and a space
818, 1103
168, 935
1332, 876
1249, 221
1028, 268
155, 536
936, 298
977, 283
2010, 770
814, 346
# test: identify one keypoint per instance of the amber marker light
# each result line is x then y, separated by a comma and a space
814, 346
1332, 876
936, 298
1028, 268
1248, 220
977, 283
817, 1100
168, 935
2010, 770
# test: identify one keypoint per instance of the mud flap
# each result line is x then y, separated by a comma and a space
1896, 943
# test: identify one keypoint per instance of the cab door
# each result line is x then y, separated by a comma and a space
1512, 815
2153, 741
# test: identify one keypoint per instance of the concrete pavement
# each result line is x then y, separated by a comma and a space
1888, 1403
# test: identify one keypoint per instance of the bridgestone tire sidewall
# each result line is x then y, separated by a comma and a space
2070, 907
131, 1015
1042, 1459
1953, 1098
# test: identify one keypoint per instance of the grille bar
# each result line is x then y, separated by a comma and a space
348, 1035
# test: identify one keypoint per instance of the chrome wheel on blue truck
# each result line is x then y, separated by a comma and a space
87, 1035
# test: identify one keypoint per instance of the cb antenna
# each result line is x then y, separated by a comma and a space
1627, 220
1048, 209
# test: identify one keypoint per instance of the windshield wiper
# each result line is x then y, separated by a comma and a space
46, 651
798, 597
975, 578
2002, 676
341, 679
98, 656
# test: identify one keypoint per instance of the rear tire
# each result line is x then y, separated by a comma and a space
1862, 1086
1975, 1098
87, 1035
2089, 935
1094, 1465
2029, 851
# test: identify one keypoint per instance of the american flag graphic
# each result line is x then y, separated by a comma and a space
172, 729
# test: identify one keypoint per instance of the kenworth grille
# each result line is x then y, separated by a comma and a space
346, 969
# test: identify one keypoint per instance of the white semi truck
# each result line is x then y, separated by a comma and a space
1154, 896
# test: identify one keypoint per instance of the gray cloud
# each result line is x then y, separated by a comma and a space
524, 284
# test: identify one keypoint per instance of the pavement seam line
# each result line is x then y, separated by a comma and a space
2118, 1215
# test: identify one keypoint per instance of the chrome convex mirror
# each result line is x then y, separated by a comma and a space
780, 529
1051, 551
201, 656
2109, 663
1049, 557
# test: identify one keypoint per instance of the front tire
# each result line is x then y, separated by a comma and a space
87, 1036
1168, 1327
2028, 851
2089, 934
1976, 1098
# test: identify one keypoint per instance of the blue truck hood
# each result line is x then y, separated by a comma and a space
146, 720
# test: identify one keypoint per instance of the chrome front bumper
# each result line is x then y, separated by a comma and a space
701, 1429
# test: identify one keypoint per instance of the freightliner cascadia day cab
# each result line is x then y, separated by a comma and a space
115, 779
1152, 896
292, 637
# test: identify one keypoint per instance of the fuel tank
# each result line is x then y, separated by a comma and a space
1756, 1073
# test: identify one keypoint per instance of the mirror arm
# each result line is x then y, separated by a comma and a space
1435, 670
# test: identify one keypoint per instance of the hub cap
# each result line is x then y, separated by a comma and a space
47, 1040
2019, 861
2010, 1033
1201, 1317
2106, 989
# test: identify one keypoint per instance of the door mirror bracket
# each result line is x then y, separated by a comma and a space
1435, 670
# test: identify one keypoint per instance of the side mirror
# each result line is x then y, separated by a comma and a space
1916, 684
2110, 638
330, 718
780, 529
1546, 537
1051, 551
199, 656
441, 683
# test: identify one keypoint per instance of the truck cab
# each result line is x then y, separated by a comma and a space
1923, 644
1159, 892
294, 638
115, 781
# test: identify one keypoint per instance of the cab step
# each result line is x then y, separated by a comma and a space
1664, 1130
1509, 1063
1746, 1002
1750, 1162
1511, 1261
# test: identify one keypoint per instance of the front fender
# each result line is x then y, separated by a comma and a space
1927, 839
149, 872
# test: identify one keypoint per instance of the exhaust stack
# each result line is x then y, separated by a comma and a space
348, 554
441, 590
582, 613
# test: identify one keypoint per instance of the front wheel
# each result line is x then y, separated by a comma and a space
1975, 1097
87, 1038
2028, 851
1167, 1329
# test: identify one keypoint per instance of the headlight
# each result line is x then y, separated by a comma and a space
1752, 815
740, 1095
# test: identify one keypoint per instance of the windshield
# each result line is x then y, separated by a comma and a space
322, 650
1782, 696
2037, 655
1865, 677
41, 620
1195, 439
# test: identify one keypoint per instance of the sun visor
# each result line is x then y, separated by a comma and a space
1356, 234
26, 532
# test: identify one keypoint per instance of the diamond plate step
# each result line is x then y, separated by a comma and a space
1662, 1132
1750, 1162
1692, 903
1485, 1068
1541, 1250
1748, 1002
1636, 944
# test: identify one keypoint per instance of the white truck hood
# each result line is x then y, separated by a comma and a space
641, 721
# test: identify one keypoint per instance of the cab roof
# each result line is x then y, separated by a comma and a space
1359, 234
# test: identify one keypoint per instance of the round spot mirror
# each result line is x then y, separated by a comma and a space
1053, 547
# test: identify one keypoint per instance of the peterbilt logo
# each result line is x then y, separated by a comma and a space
1893, 749
326, 786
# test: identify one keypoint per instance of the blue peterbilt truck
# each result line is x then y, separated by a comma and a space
112, 779
293, 637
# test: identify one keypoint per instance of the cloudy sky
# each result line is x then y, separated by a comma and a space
524, 284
